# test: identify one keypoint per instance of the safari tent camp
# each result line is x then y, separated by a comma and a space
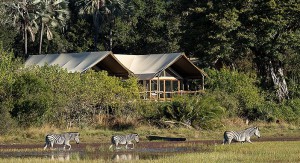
162, 75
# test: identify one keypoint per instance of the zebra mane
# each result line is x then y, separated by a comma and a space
73, 134
251, 130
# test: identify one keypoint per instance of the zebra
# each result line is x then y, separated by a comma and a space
241, 136
64, 139
124, 139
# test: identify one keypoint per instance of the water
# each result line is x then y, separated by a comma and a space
93, 152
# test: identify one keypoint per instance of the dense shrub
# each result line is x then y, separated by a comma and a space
8, 64
73, 99
31, 100
198, 111
240, 88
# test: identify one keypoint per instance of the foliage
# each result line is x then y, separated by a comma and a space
251, 38
199, 111
240, 86
51, 95
31, 99
50, 14
7, 65
81, 39
147, 27
222, 31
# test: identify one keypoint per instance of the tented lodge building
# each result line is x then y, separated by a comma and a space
162, 75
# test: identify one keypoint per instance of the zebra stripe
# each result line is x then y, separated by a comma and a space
241, 136
64, 139
124, 139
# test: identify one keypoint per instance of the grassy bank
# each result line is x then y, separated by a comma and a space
258, 152
91, 135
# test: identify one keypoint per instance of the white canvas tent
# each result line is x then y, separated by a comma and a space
164, 75
81, 62
146, 67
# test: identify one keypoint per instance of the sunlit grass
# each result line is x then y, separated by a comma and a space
258, 152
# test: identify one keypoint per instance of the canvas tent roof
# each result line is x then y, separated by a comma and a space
146, 67
80, 62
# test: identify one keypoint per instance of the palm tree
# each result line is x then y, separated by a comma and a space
92, 7
23, 17
112, 9
51, 13
106, 10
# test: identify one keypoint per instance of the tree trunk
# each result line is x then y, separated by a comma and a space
25, 41
41, 38
279, 82
110, 38
97, 28
271, 74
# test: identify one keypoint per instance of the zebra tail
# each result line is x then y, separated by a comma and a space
225, 138
112, 142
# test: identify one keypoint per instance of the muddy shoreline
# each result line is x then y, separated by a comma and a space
143, 144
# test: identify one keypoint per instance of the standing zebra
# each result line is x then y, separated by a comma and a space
64, 139
241, 136
124, 139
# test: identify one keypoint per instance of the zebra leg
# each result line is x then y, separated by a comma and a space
117, 146
52, 143
224, 141
248, 140
229, 141
45, 146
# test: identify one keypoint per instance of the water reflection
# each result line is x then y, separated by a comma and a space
83, 153
125, 157
64, 156
61, 157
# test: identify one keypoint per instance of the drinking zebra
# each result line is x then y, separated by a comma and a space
64, 139
241, 136
124, 139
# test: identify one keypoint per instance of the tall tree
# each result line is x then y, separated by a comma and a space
149, 26
92, 7
51, 14
111, 10
226, 30
7, 32
23, 16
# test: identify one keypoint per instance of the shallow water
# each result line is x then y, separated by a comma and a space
93, 151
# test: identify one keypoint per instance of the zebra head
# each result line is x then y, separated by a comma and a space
136, 137
76, 137
256, 132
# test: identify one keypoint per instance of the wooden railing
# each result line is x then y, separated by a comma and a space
155, 95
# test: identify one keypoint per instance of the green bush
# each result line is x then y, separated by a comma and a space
8, 65
74, 98
201, 111
241, 89
31, 100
